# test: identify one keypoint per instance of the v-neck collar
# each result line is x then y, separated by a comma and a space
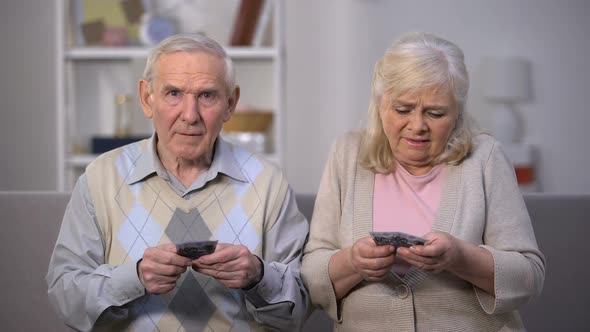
364, 184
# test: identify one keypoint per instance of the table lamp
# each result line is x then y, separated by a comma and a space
507, 82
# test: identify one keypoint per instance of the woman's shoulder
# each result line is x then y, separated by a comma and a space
349, 140
345, 149
487, 149
484, 144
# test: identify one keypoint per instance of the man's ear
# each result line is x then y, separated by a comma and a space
231, 103
145, 98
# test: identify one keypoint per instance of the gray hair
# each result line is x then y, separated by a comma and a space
417, 62
189, 42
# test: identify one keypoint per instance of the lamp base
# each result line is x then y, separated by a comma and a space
507, 124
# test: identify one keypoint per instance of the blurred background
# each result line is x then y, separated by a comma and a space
65, 65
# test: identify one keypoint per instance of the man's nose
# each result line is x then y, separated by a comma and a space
190, 109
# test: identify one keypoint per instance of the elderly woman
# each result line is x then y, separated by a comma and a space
419, 168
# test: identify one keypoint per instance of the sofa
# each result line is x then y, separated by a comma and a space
32, 221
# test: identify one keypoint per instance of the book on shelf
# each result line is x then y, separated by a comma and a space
263, 23
245, 22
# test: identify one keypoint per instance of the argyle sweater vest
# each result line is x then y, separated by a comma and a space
133, 217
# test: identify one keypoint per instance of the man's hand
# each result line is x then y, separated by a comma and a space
160, 268
234, 266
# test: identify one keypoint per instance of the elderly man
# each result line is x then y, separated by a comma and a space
116, 265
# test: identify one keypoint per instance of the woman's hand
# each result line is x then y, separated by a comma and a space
440, 253
364, 261
444, 252
371, 261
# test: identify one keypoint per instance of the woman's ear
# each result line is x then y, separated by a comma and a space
232, 102
145, 98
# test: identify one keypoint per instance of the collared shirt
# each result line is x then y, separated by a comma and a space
223, 162
84, 246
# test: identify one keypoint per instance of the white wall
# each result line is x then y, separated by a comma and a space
332, 46
27, 96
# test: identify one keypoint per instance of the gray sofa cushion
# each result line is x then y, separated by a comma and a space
562, 225
32, 221
562, 228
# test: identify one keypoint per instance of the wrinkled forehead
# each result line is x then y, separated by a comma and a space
191, 61
193, 66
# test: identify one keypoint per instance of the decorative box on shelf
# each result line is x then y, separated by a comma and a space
249, 129
522, 156
249, 121
102, 144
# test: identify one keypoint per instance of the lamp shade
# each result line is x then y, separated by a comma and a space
506, 80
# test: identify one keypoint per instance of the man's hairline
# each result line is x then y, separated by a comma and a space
229, 89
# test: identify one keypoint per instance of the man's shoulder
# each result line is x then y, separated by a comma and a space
124, 156
253, 164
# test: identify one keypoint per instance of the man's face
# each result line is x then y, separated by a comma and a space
418, 126
188, 103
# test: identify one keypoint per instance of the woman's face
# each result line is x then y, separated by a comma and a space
418, 126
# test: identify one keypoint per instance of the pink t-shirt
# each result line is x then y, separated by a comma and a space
406, 203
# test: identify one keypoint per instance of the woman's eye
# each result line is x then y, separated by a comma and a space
435, 115
402, 110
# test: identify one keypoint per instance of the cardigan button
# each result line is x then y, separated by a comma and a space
402, 291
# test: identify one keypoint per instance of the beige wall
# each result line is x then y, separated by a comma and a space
331, 48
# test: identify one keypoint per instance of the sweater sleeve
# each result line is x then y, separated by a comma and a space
82, 289
279, 301
519, 266
324, 235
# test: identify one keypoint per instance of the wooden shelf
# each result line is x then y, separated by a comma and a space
80, 160
125, 53
88, 78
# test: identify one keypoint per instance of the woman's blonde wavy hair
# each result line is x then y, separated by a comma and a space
414, 63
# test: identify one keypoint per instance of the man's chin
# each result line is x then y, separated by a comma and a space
192, 153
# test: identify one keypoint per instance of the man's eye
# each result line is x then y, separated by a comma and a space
208, 98
173, 94
206, 95
173, 97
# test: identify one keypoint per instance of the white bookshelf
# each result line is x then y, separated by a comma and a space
89, 77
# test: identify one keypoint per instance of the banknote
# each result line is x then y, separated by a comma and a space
196, 249
397, 239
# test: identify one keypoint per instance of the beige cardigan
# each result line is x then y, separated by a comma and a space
480, 203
